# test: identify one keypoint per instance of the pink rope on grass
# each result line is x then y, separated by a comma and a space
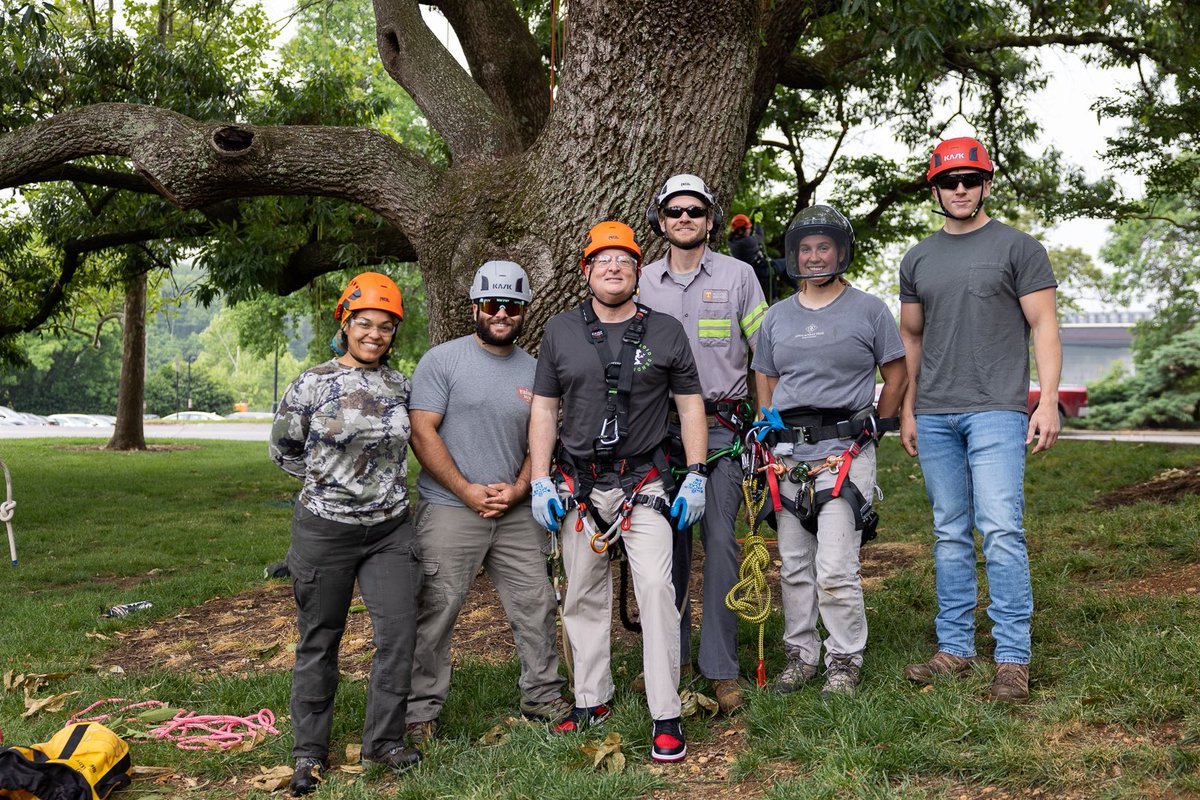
192, 731
130, 706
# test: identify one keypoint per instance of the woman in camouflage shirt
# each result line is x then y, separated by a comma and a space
342, 427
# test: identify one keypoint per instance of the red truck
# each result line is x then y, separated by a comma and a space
1072, 400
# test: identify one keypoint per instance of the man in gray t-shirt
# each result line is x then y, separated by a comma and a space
970, 296
470, 409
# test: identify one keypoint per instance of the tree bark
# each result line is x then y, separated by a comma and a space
129, 431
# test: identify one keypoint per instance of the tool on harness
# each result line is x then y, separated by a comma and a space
6, 514
618, 376
812, 425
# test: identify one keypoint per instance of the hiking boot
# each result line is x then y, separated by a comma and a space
1011, 684
667, 741
638, 684
729, 695
581, 718
942, 663
306, 776
794, 675
841, 678
554, 710
399, 758
420, 734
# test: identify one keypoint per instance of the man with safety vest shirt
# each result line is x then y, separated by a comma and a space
970, 295
612, 364
720, 304
470, 422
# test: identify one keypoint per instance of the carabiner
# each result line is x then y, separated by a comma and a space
610, 432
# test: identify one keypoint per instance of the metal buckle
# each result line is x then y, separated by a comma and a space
610, 434
807, 432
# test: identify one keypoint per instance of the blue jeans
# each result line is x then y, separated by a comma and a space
974, 467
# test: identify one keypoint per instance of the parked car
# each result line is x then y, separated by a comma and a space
82, 420
10, 417
250, 415
1072, 400
194, 416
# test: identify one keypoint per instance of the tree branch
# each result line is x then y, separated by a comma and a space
374, 245
95, 176
504, 60
458, 109
195, 164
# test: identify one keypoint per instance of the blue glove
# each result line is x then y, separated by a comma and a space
547, 509
771, 421
688, 507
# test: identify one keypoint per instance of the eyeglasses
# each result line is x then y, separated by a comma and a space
969, 180
675, 212
492, 306
608, 261
363, 326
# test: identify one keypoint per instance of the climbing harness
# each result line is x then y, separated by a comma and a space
187, 729
6, 514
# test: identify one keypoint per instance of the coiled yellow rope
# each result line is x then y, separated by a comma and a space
750, 597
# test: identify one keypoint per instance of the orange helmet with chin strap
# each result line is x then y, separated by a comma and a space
610, 234
739, 221
960, 153
370, 290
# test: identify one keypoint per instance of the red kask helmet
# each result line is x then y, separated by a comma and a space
739, 221
370, 290
961, 153
610, 234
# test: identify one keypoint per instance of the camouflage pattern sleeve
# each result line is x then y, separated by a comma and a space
290, 428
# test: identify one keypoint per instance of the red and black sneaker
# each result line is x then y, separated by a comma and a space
668, 744
581, 718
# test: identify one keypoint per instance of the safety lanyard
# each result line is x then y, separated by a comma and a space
618, 376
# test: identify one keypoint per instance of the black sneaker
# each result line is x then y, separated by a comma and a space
668, 744
581, 718
399, 758
306, 776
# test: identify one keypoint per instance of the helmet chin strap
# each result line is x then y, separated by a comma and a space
946, 213
606, 304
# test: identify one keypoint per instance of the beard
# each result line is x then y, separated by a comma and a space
698, 239
487, 337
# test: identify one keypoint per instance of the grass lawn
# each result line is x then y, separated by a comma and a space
1115, 679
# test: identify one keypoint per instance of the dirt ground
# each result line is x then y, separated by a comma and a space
255, 631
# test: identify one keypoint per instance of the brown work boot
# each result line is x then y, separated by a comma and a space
1011, 684
420, 735
729, 695
942, 663
794, 675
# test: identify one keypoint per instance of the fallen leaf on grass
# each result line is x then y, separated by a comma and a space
497, 735
139, 773
158, 714
694, 703
96, 635
271, 780
353, 753
247, 744
353, 769
607, 755
52, 703
32, 681
267, 653
357, 609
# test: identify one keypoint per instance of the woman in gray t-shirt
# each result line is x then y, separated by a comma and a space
815, 366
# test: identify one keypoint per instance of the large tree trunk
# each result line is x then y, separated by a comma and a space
129, 433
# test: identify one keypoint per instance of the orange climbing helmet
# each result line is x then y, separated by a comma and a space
739, 221
370, 290
610, 234
960, 153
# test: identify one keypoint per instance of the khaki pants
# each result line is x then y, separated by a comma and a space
587, 609
455, 542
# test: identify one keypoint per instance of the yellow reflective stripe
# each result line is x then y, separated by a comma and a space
715, 328
751, 321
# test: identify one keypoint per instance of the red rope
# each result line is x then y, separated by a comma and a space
188, 730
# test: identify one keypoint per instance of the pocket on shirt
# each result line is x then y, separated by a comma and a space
715, 331
985, 280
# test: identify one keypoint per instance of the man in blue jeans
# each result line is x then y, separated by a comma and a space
970, 296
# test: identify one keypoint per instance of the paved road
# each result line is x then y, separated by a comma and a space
260, 431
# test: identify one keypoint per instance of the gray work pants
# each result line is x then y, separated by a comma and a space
722, 557
325, 558
822, 573
455, 542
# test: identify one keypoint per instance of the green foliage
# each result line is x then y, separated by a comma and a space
65, 374
168, 390
1164, 392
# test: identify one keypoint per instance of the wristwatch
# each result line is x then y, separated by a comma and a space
699, 469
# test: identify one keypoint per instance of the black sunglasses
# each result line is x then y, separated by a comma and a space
675, 212
969, 180
492, 306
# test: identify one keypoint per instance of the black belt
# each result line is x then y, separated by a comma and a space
821, 428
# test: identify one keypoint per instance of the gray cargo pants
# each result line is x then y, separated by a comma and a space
325, 558
722, 557
455, 542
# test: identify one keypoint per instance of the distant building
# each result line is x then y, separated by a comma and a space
1094, 341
